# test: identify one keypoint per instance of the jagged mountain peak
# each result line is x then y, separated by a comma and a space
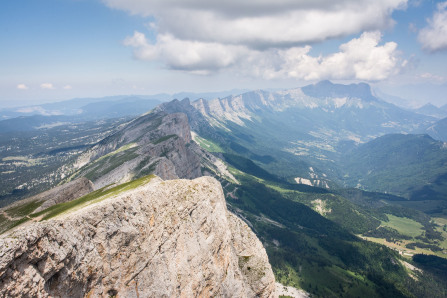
354, 105
323, 95
156, 142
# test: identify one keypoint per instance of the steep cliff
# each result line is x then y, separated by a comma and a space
162, 238
155, 143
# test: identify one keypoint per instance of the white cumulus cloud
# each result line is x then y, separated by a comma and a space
434, 36
263, 23
22, 87
361, 58
194, 56
48, 86
68, 87
266, 38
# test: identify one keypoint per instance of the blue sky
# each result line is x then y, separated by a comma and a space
59, 49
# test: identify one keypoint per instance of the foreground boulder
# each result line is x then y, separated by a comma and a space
164, 238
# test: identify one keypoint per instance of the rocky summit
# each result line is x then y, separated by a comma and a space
153, 143
160, 238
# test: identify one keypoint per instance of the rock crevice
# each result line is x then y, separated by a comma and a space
165, 238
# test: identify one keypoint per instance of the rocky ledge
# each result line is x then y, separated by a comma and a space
164, 238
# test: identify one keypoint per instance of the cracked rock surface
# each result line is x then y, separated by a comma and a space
163, 239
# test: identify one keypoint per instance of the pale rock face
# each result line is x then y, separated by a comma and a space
290, 291
227, 109
327, 96
162, 145
176, 124
165, 238
251, 257
313, 182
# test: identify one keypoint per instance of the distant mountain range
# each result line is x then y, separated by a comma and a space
89, 109
301, 135
73, 111
307, 127
308, 169
432, 110
314, 135
108, 106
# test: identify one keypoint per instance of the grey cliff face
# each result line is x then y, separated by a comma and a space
165, 238
157, 143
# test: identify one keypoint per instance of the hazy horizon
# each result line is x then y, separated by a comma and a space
58, 50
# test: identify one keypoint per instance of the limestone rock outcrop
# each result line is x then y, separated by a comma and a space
156, 142
165, 238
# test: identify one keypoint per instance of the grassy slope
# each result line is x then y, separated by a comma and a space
306, 249
23, 213
23, 210
355, 210
207, 144
408, 165
415, 231
403, 225
91, 198
312, 253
